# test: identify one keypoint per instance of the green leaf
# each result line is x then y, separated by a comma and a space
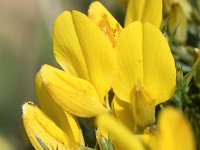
187, 78
105, 144
183, 85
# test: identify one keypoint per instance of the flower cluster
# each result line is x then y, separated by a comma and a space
116, 74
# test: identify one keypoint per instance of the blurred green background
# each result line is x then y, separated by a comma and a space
26, 44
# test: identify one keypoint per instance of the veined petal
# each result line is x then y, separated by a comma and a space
102, 17
159, 66
87, 51
140, 59
123, 112
175, 131
66, 46
130, 62
98, 53
74, 95
42, 131
120, 133
76, 129
144, 11
68, 123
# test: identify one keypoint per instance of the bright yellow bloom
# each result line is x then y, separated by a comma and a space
173, 133
44, 133
147, 74
62, 119
89, 64
82, 49
97, 54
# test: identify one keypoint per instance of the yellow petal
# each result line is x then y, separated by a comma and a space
98, 52
175, 131
140, 59
102, 17
149, 140
123, 112
90, 53
144, 11
143, 107
129, 55
74, 95
67, 49
69, 124
159, 66
76, 129
42, 131
120, 133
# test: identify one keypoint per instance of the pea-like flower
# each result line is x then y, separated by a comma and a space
146, 69
97, 54
45, 134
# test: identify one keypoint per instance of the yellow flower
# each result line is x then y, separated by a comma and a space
147, 74
45, 134
97, 54
173, 133
89, 63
